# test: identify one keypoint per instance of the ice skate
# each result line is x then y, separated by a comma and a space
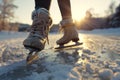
39, 30
75, 45
70, 33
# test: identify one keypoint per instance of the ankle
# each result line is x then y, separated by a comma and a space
39, 11
65, 22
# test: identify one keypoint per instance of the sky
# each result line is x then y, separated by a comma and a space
78, 7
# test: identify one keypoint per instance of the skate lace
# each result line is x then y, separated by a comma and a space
41, 23
40, 29
61, 28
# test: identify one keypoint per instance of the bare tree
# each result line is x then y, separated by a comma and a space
6, 12
111, 9
89, 13
115, 20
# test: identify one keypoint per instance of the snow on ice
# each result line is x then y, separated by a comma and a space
97, 59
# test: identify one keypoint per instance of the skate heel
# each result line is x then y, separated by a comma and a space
61, 45
75, 40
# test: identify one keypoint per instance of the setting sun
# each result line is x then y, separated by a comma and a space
78, 15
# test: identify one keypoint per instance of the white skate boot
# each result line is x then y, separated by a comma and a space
70, 32
39, 30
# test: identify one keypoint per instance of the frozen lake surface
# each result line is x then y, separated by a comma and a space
97, 59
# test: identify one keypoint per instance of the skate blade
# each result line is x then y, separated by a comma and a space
68, 46
32, 59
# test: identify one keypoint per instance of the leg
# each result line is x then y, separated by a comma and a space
70, 32
65, 9
40, 26
42, 4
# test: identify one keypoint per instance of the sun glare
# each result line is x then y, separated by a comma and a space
77, 17
78, 14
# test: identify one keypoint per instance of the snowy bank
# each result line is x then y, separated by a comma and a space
110, 31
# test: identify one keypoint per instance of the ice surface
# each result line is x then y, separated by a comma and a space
98, 58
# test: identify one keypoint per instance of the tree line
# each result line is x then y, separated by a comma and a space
7, 14
93, 21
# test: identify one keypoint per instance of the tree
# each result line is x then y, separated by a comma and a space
89, 13
6, 12
111, 9
110, 12
115, 21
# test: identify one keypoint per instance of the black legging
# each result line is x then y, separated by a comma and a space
64, 5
